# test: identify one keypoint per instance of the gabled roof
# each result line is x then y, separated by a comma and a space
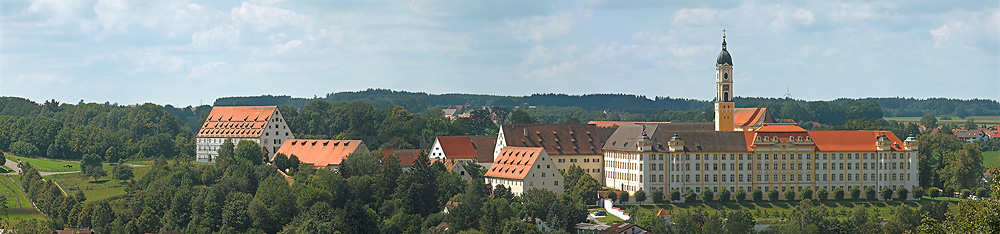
514, 162
969, 133
625, 138
751, 116
322, 153
484, 146
237, 121
622, 227
457, 147
662, 213
406, 156
780, 127
556, 139
852, 140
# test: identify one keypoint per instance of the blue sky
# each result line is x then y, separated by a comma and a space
188, 52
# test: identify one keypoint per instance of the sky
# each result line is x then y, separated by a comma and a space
192, 52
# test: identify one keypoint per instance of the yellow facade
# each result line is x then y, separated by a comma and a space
591, 164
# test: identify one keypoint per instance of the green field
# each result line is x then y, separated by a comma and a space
771, 212
46, 165
990, 159
104, 187
17, 200
979, 119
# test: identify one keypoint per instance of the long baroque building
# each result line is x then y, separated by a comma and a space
262, 124
736, 153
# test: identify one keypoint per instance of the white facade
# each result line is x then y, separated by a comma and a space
274, 132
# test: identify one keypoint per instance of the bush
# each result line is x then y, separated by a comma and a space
918, 192
675, 195
741, 195
838, 194
24, 148
855, 193
789, 194
902, 193
870, 194
640, 196
772, 195
948, 191
657, 196
886, 193
690, 197
966, 193
982, 192
758, 195
822, 194
623, 197
806, 193
707, 196
724, 195
934, 192
611, 194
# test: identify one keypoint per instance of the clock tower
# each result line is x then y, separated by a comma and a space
724, 89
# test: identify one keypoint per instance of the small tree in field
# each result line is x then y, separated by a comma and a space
123, 172
758, 195
822, 194
657, 196
91, 166
707, 196
806, 193
741, 195
675, 195
789, 194
690, 197
724, 195
855, 193
640, 196
773, 194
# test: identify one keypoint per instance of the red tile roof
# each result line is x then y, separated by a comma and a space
750, 116
457, 147
237, 121
322, 153
662, 213
968, 133
484, 146
557, 139
448, 164
609, 124
406, 156
852, 140
514, 162
780, 127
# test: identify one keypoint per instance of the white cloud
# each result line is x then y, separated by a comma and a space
44, 79
697, 16
689, 50
220, 36
562, 70
540, 28
940, 35
262, 18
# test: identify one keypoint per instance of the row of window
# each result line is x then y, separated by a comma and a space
832, 156
786, 166
748, 190
573, 160
787, 178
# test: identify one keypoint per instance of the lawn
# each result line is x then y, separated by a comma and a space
990, 159
46, 165
17, 200
104, 187
771, 212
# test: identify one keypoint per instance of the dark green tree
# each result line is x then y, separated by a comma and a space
227, 154
724, 195
249, 151
806, 193
657, 196
773, 194
273, 205
624, 197
280, 161
758, 195
789, 194
886, 193
91, 166
123, 172
640, 196
690, 197
870, 194
855, 193
902, 193
611, 194
838, 194
740, 221
707, 196
741, 195
675, 195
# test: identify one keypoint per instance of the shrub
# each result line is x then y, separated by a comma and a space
822, 194
934, 192
918, 192
724, 195
675, 195
806, 193
657, 196
949, 191
772, 195
838, 194
902, 193
870, 194
757, 195
886, 193
690, 197
707, 196
741, 195
982, 192
966, 193
855, 193
789, 194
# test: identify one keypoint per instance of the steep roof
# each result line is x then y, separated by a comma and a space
457, 147
514, 162
406, 156
624, 139
556, 139
322, 153
237, 121
781, 127
852, 140
662, 213
484, 146
751, 116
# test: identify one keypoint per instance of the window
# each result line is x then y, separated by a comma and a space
715, 178
741, 166
556, 182
715, 166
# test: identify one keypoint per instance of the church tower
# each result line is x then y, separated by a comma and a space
724, 89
